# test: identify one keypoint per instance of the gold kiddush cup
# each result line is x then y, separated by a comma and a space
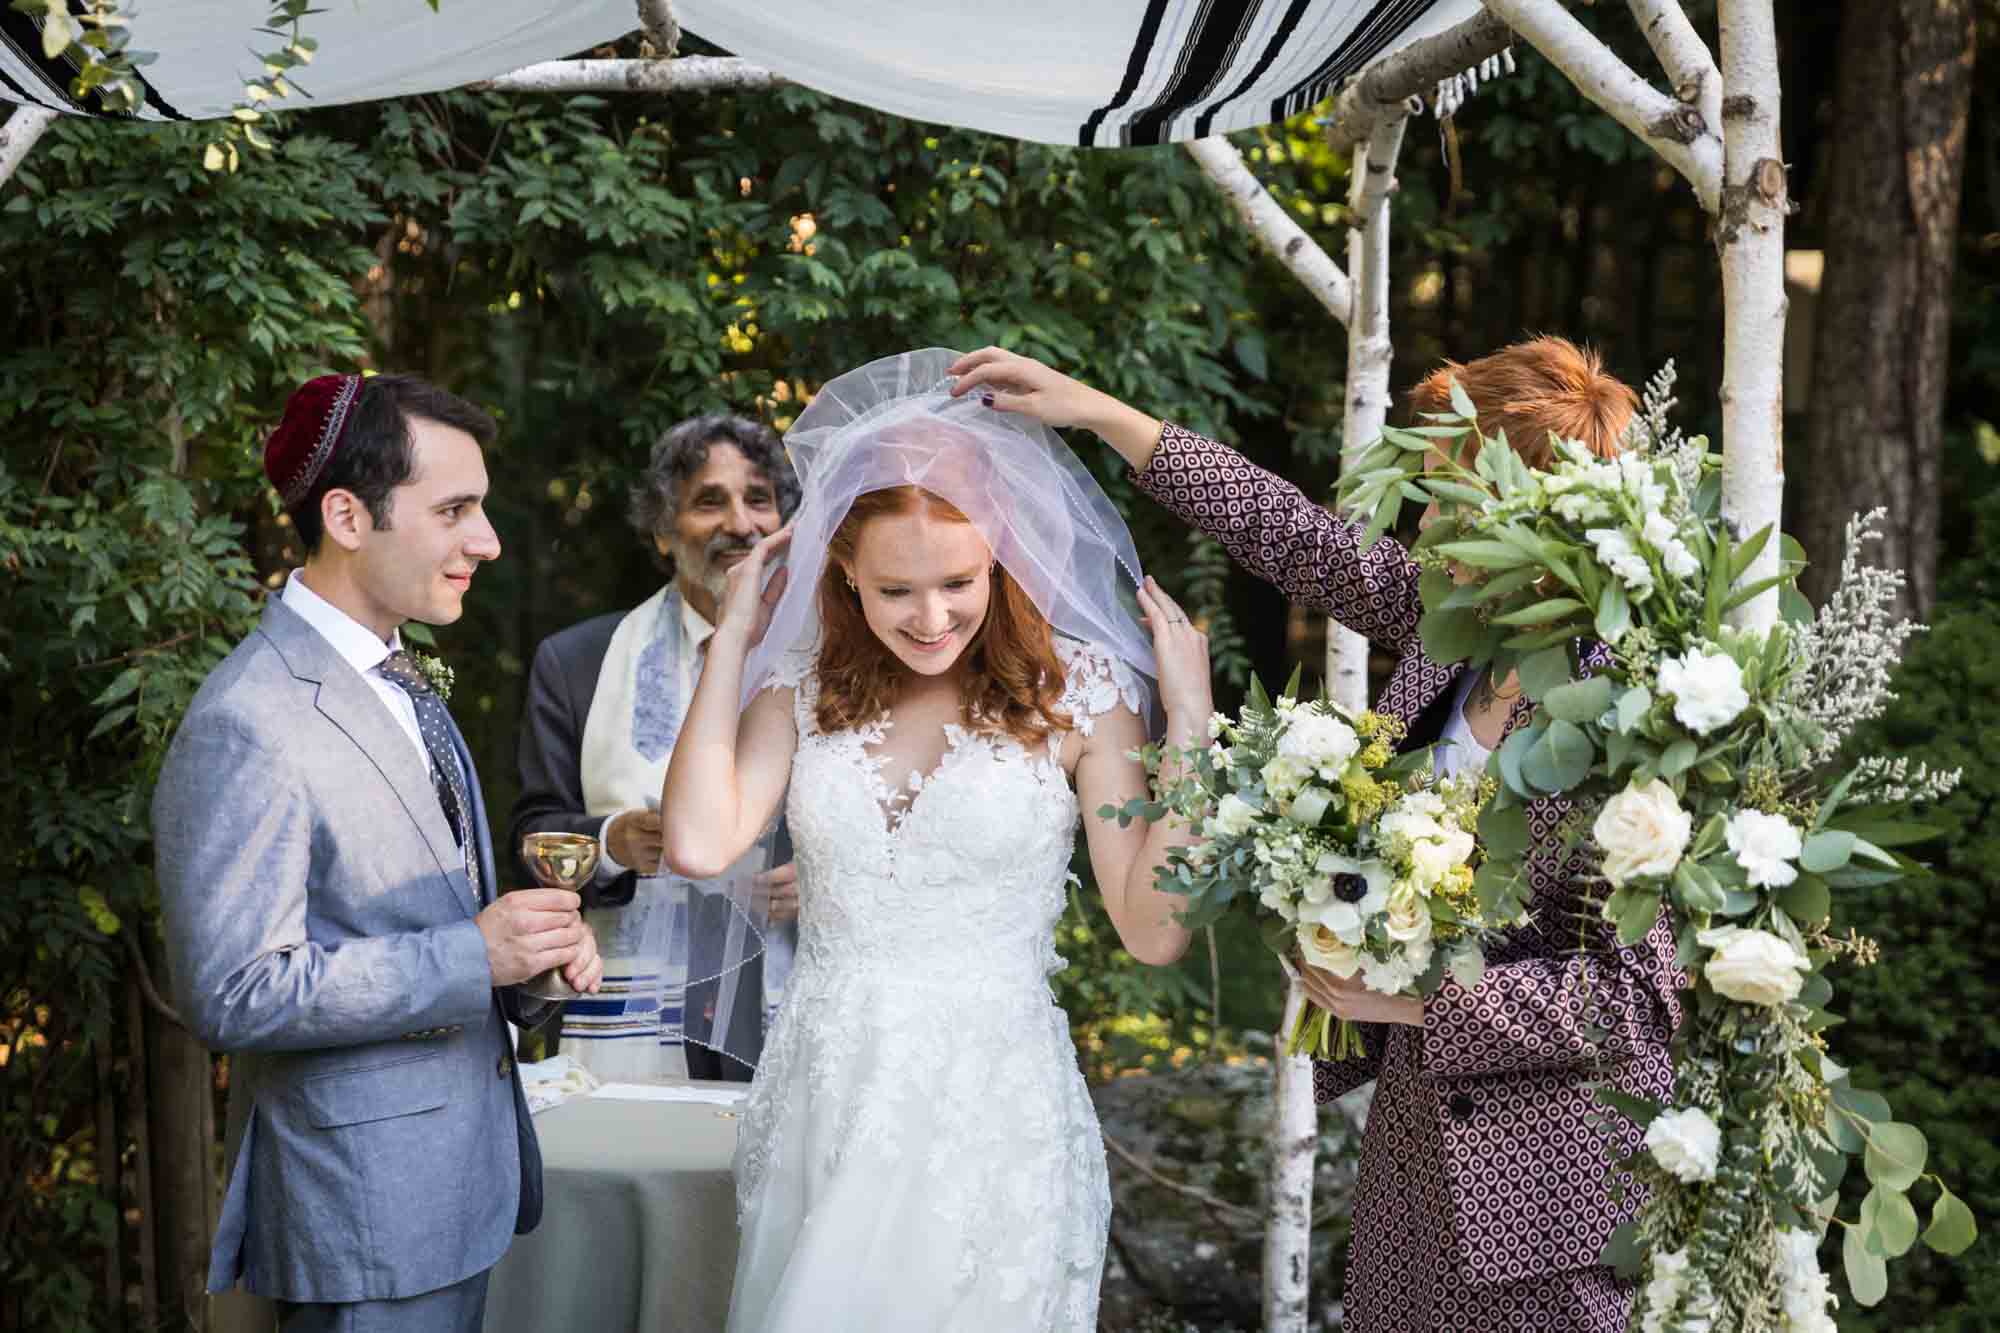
558, 861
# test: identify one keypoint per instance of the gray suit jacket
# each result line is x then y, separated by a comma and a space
319, 927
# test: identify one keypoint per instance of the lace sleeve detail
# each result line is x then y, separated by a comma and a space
1096, 682
796, 671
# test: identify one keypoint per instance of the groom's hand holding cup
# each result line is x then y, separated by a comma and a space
529, 931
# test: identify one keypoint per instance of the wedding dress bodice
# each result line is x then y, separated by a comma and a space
919, 1036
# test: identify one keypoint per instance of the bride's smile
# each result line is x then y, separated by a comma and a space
925, 585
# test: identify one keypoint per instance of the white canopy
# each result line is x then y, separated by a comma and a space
1101, 73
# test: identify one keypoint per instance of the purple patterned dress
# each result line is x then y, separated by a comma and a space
1483, 1201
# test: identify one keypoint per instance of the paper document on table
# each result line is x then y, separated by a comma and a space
672, 1092
553, 1081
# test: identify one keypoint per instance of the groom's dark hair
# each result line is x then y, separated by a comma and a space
375, 454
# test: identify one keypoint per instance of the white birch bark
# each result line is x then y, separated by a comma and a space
1683, 55
1289, 1189
1750, 236
684, 74
19, 134
1294, 1118
1381, 91
1371, 183
1267, 220
1672, 128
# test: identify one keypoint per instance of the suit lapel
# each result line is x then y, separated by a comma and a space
346, 700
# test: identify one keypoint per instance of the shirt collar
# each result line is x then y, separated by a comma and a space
354, 641
694, 625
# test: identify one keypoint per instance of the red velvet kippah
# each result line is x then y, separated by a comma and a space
309, 432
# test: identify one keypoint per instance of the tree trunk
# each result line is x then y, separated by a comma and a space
1874, 424
1750, 237
1288, 1205
181, 1093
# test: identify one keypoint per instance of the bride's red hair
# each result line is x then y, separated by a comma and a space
1013, 680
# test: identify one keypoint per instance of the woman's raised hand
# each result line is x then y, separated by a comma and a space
747, 602
1186, 691
1009, 382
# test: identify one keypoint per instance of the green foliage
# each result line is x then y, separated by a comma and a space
1921, 1022
158, 315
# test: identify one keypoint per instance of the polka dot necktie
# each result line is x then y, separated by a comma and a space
434, 721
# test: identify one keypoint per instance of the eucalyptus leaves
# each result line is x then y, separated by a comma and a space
1700, 763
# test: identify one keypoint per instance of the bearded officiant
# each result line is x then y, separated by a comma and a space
693, 969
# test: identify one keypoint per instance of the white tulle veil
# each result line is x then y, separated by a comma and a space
893, 422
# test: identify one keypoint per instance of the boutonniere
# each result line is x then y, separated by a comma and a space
437, 673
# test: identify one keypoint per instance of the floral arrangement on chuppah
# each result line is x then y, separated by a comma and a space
1703, 762
1349, 855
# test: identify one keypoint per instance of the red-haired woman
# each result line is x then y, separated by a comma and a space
1483, 1200
918, 1151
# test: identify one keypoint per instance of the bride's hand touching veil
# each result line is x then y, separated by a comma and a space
1009, 382
747, 600
729, 765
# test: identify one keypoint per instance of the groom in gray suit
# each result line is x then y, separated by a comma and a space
332, 916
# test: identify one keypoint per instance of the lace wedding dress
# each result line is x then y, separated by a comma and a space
918, 1151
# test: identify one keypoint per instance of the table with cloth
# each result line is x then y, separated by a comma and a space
639, 1226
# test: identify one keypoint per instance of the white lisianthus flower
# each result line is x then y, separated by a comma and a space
1285, 776
1643, 831
1806, 1294
1663, 1292
1636, 471
1233, 817
1431, 858
1321, 741
1686, 1142
1408, 918
1326, 950
1360, 889
1618, 553
1765, 846
1707, 689
1415, 825
1274, 898
1400, 972
1217, 724
1661, 534
1578, 506
1753, 966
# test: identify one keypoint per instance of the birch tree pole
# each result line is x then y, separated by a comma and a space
1719, 130
1368, 123
18, 135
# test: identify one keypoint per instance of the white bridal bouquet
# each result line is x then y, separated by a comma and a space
1351, 857
1703, 763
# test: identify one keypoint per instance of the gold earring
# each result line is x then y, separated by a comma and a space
851, 586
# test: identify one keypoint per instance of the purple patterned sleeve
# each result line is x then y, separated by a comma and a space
1333, 1078
1269, 527
1578, 1000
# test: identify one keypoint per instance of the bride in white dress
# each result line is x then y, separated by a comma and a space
919, 1151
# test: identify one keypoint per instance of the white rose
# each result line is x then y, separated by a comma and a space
1753, 966
1642, 831
1707, 689
1327, 951
1320, 741
1412, 824
1685, 1142
1233, 817
1347, 916
1408, 918
1765, 846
